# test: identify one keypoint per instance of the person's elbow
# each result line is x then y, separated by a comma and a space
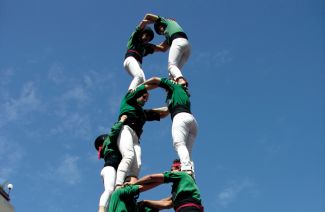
149, 16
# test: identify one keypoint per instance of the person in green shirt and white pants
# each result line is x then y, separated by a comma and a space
185, 127
176, 40
107, 148
137, 48
128, 139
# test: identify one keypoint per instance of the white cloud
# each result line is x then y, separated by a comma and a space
11, 155
5, 76
211, 59
56, 73
88, 81
230, 194
15, 109
78, 93
67, 172
75, 124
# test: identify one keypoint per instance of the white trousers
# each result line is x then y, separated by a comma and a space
128, 144
184, 131
179, 53
134, 68
108, 175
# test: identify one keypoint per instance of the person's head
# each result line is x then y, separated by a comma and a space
130, 179
143, 99
176, 167
159, 28
100, 140
147, 35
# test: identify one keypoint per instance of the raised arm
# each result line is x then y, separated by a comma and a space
145, 22
150, 84
150, 17
160, 204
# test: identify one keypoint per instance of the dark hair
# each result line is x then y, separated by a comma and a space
149, 31
176, 161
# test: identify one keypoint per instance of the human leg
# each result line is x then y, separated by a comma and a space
134, 68
125, 146
136, 165
180, 131
179, 53
108, 175
186, 46
193, 130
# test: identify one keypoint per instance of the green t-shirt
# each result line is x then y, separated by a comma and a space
177, 95
135, 43
132, 108
125, 200
110, 148
171, 27
184, 186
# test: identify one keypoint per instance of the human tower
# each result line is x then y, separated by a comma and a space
120, 148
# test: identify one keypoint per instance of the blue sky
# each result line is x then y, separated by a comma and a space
256, 76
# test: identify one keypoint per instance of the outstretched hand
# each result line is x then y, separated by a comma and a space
126, 183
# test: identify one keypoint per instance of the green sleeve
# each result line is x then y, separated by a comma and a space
115, 131
158, 20
167, 84
136, 33
137, 93
152, 116
130, 191
172, 177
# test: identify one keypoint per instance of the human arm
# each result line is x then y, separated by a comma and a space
163, 47
153, 178
160, 204
149, 186
115, 130
145, 22
154, 82
151, 17
162, 111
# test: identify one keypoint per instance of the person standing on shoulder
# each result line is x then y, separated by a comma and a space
176, 40
185, 194
185, 127
107, 149
128, 139
137, 48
